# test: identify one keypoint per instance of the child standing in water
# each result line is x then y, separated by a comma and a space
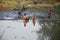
33, 19
26, 19
19, 14
49, 13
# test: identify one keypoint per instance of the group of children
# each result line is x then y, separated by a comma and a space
26, 18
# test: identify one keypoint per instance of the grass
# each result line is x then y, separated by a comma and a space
57, 9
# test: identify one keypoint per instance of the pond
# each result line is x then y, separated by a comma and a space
15, 30
45, 29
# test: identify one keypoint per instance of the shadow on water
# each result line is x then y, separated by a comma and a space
50, 30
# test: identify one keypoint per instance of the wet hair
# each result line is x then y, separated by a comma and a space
24, 13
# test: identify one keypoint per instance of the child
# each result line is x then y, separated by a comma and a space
33, 19
26, 19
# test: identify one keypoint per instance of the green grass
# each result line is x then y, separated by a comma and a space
57, 9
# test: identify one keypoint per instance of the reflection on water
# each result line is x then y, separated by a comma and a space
50, 30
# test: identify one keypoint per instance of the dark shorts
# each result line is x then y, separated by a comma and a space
27, 20
33, 19
49, 17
